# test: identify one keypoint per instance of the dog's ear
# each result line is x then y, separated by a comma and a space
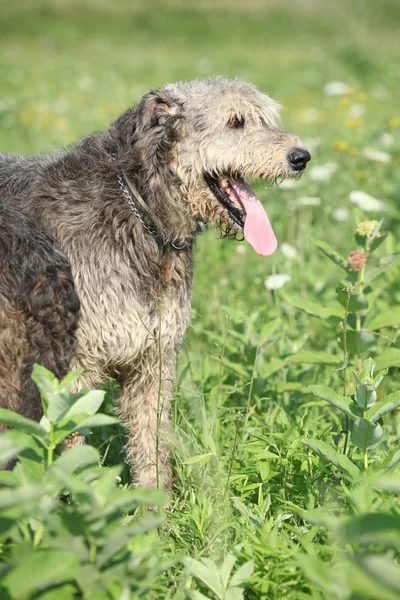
159, 108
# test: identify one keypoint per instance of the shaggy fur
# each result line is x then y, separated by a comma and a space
134, 287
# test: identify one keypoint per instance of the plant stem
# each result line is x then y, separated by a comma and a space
221, 358
346, 312
159, 405
50, 452
232, 457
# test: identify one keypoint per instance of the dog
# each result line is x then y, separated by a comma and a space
121, 211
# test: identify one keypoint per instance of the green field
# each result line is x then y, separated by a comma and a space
265, 478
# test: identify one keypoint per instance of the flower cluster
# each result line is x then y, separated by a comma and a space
366, 228
356, 260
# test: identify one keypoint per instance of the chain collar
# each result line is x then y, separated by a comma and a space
185, 244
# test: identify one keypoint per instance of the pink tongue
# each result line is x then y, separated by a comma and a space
257, 228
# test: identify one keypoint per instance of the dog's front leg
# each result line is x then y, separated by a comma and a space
144, 410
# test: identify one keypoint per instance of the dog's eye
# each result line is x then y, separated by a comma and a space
236, 122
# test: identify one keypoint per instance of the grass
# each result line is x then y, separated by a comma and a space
246, 483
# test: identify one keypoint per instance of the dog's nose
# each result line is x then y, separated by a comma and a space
298, 158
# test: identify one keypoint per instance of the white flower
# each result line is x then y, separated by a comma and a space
357, 110
377, 155
274, 282
340, 214
366, 201
309, 201
322, 172
288, 251
337, 88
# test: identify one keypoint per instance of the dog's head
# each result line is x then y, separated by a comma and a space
213, 135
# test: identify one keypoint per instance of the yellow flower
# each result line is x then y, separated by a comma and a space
340, 145
361, 174
395, 122
354, 123
353, 150
27, 115
362, 97
345, 102
366, 228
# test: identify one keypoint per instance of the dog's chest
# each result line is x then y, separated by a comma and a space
119, 323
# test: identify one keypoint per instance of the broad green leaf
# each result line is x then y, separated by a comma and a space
384, 264
365, 434
382, 568
75, 459
359, 341
311, 357
267, 330
242, 574
196, 595
68, 381
234, 593
388, 318
334, 256
8, 417
226, 568
391, 461
388, 358
314, 309
40, 569
390, 403
79, 422
66, 591
47, 383
237, 367
333, 456
12, 443
372, 528
357, 302
207, 573
199, 458
88, 404
341, 402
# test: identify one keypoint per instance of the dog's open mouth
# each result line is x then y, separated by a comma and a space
244, 210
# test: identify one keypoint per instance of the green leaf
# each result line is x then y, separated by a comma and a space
47, 383
391, 461
39, 570
226, 568
12, 443
88, 404
388, 318
372, 528
199, 458
359, 341
334, 256
76, 459
341, 402
389, 404
365, 434
388, 358
267, 330
79, 422
8, 417
242, 574
357, 302
333, 456
196, 595
314, 309
61, 592
207, 573
314, 358
382, 569
384, 264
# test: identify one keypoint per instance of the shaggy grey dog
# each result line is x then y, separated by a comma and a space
124, 207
